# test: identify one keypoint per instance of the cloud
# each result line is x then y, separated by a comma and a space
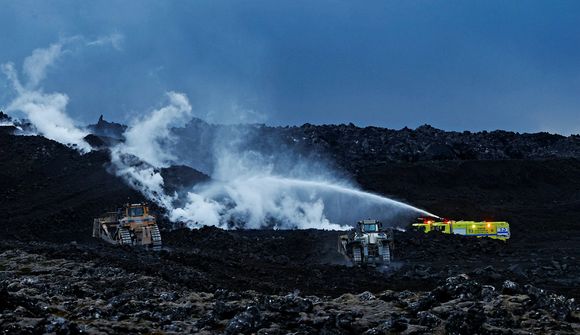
116, 40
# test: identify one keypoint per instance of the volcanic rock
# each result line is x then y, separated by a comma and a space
107, 129
267, 282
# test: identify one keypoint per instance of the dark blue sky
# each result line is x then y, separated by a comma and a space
454, 64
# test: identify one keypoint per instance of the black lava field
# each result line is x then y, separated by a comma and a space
55, 278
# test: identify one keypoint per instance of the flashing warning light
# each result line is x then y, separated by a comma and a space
488, 225
473, 226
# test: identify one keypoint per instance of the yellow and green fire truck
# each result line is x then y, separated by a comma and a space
498, 229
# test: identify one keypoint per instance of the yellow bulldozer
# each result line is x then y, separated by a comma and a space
131, 225
492, 229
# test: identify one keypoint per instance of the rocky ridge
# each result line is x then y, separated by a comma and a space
352, 147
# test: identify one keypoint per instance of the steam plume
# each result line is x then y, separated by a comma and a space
47, 111
150, 137
249, 189
147, 147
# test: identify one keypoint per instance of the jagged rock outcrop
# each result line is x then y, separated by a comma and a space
107, 129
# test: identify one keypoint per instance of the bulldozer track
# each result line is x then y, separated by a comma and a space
357, 255
125, 237
156, 238
386, 254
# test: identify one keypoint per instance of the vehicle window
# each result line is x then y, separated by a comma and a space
370, 227
136, 211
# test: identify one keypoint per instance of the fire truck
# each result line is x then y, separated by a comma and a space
493, 229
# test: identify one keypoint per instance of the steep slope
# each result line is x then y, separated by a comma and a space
51, 192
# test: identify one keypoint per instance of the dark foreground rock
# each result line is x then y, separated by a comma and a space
56, 295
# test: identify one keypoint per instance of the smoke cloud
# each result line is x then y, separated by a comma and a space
35, 65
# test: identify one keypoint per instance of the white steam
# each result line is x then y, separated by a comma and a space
47, 111
147, 148
249, 189
149, 138
114, 39
282, 203
245, 192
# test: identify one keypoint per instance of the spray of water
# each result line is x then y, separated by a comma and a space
282, 203
251, 188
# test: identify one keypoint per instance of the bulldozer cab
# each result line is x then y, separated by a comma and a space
136, 210
136, 216
369, 226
